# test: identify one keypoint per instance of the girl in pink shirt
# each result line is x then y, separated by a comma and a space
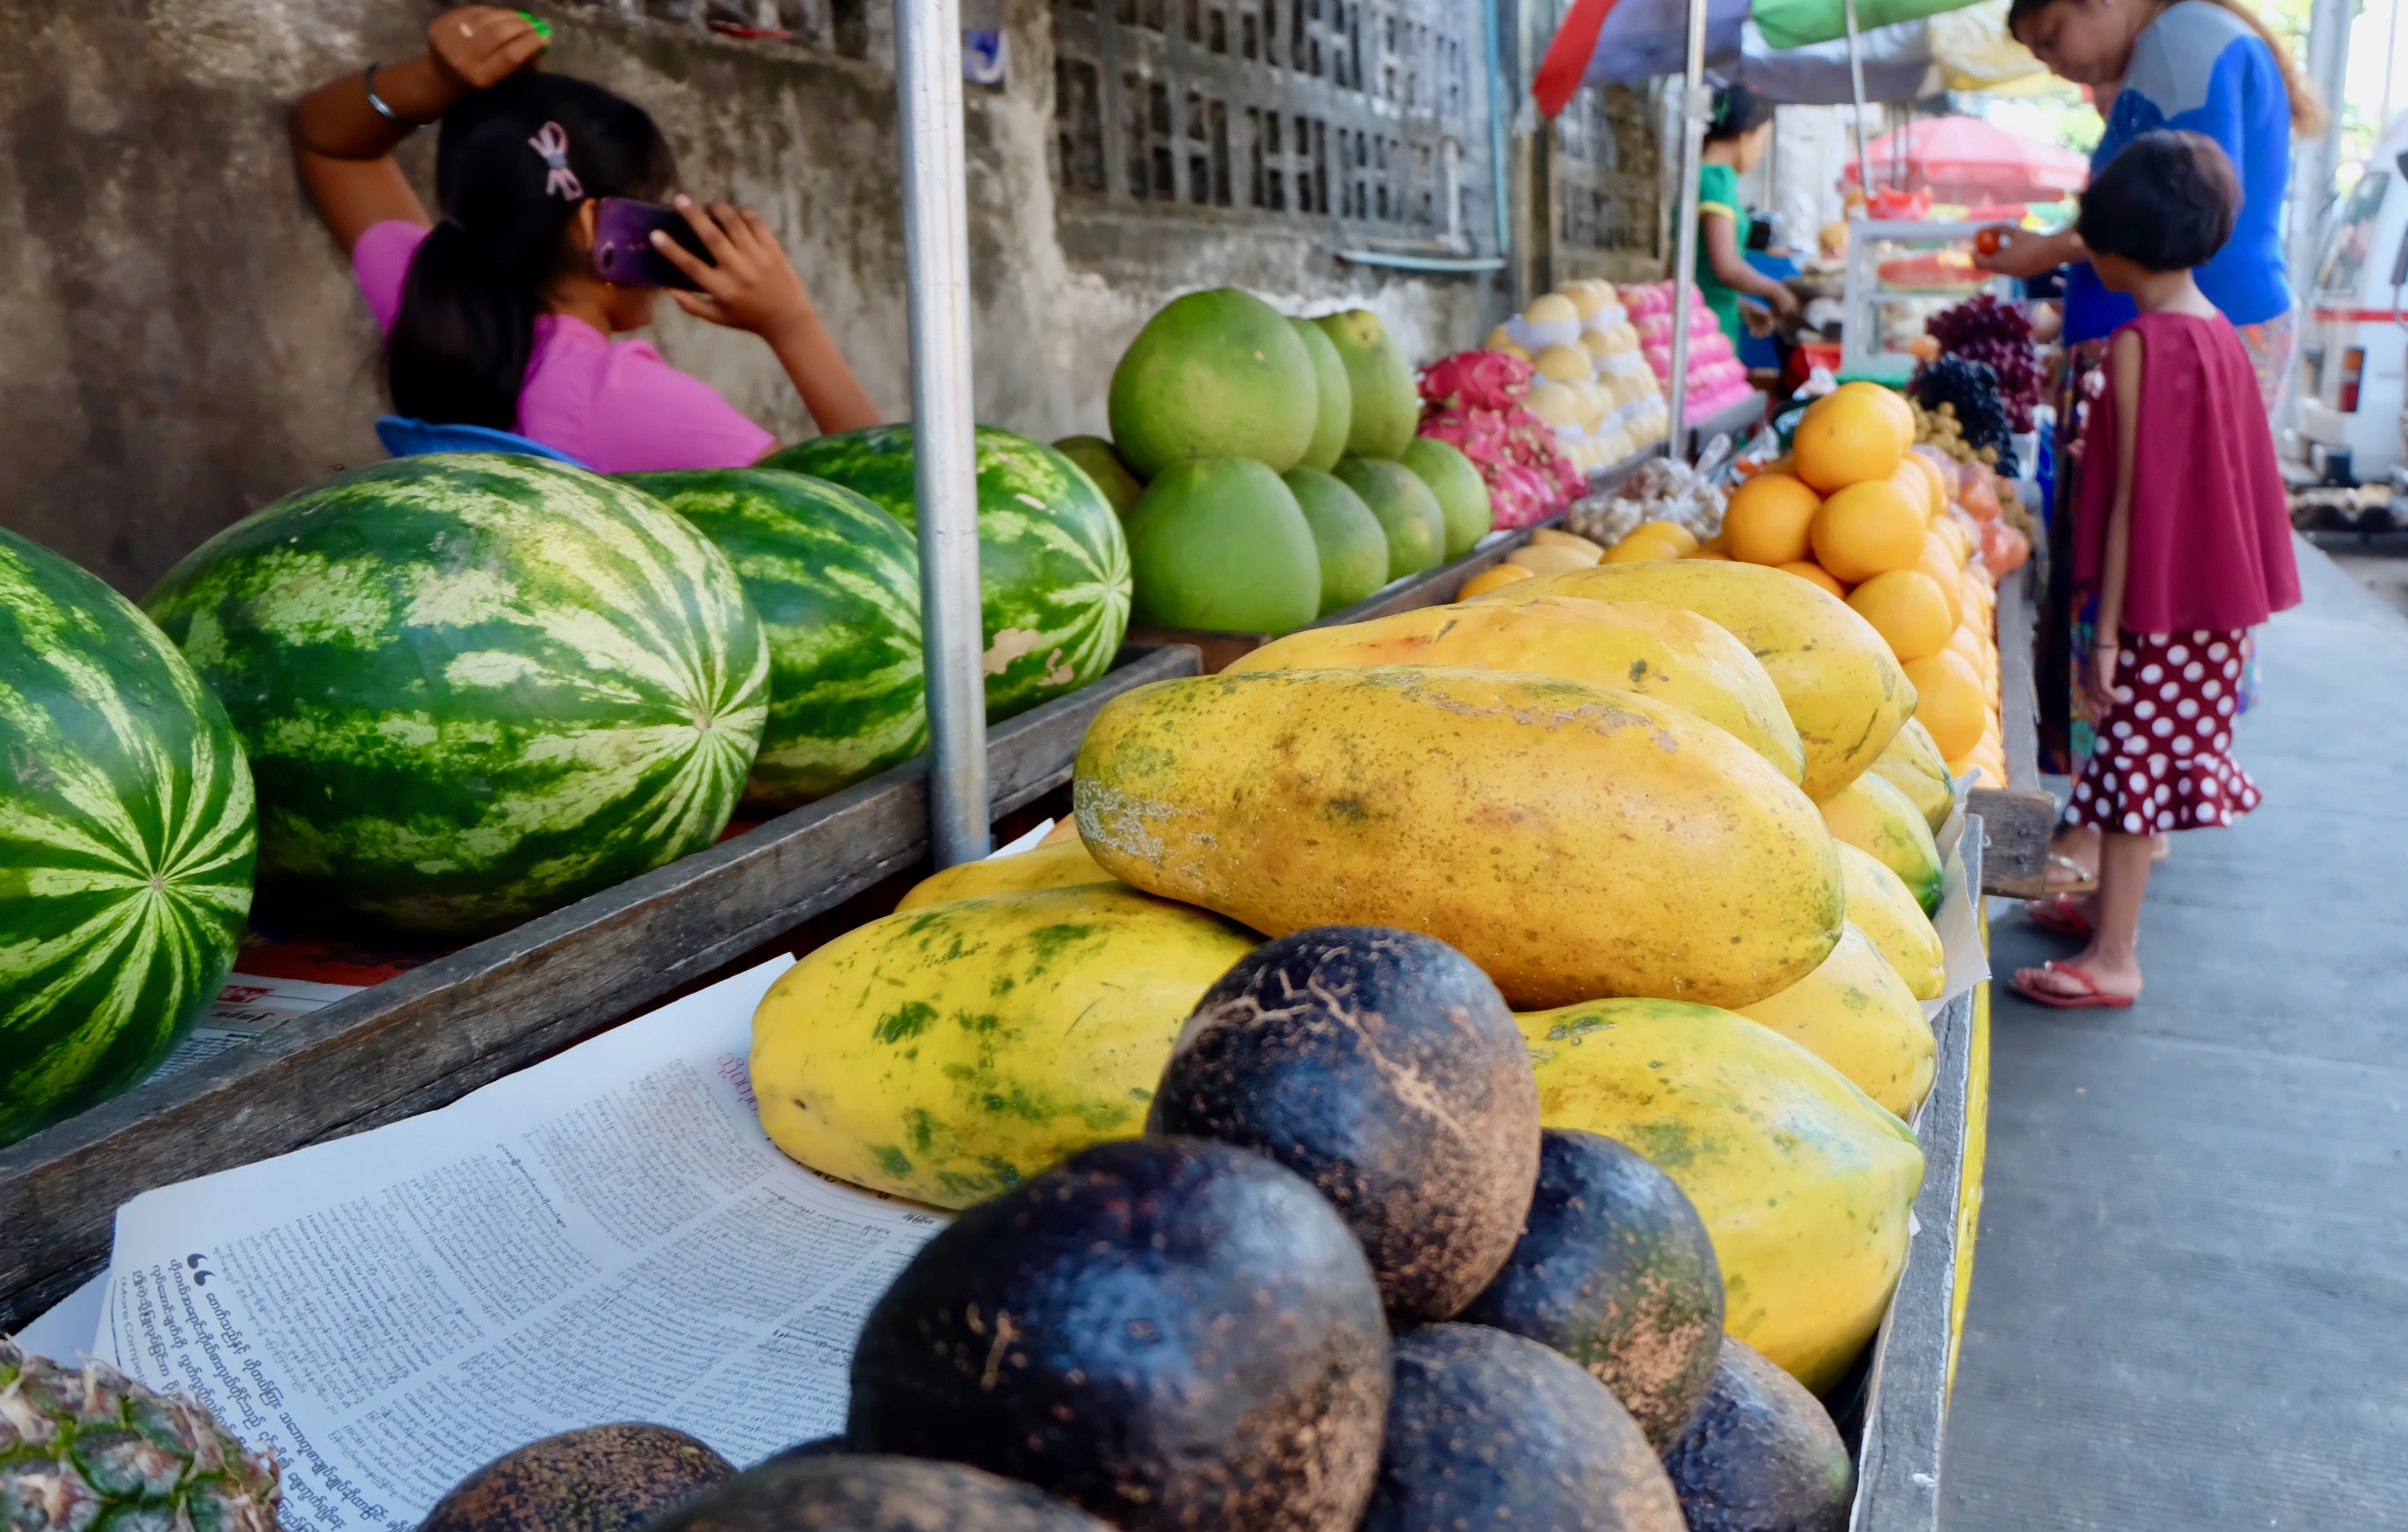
494, 316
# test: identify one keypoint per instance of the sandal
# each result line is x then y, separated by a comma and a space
2093, 995
2083, 881
2059, 914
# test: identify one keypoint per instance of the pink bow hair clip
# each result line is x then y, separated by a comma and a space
551, 142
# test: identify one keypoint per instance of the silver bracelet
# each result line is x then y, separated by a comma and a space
367, 81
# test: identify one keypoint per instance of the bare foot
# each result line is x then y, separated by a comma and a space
2107, 974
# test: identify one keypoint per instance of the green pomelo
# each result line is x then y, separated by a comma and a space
1054, 565
1215, 374
1221, 544
836, 582
1335, 396
1120, 488
1353, 546
1386, 409
1462, 494
126, 840
474, 687
1407, 512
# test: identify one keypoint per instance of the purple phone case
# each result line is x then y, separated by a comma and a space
622, 245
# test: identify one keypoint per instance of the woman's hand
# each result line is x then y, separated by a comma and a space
753, 287
476, 48
1784, 301
2022, 253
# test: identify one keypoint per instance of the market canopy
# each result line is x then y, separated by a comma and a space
1968, 49
1625, 41
1965, 159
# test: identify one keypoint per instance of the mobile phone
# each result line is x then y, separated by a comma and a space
623, 244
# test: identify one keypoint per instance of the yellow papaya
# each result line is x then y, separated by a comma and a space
947, 1052
1879, 820
1855, 1014
1911, 762
1062, 864
1573, 841
1642, 647
1844, 690
1881, 906
1804, 1182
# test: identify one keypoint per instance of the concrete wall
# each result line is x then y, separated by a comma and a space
180, 343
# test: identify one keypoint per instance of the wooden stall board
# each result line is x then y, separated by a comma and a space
1915, 1353
433, 1034
2020, 817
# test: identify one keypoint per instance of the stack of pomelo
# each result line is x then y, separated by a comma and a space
1854, 509
1267, 469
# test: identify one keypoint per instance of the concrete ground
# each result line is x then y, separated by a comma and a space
2190, 1295
2387, 576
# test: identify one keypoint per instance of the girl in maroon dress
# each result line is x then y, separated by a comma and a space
2183, 536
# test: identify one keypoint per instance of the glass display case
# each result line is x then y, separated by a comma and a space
1899, 275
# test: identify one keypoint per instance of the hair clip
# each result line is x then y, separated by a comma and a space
551, 142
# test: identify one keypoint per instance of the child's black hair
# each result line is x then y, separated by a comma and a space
1738, 111
2165, 202
461, 341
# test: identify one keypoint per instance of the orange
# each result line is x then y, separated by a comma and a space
1710, 553
1950, 703
1813, 573
1893, 404
1639, 547
1670, 531
1867, 529
1845, 440
1935, 561
1907, 609
1767, 519
1960, 543
1932, 476
1490, 578
1913, 485
1966, 644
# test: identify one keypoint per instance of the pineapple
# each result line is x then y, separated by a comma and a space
89, 1447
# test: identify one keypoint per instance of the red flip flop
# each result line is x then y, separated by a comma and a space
2095, 997
2060, 913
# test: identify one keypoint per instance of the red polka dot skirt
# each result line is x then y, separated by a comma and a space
2163, 759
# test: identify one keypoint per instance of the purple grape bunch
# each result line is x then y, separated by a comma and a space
1998, 335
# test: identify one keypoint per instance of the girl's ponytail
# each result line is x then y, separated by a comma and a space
513, 166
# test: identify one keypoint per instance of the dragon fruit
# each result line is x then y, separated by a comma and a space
1474, 400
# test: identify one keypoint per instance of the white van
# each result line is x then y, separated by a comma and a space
2354, 343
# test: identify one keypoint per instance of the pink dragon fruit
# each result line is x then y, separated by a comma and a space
1473, 401
1481, 380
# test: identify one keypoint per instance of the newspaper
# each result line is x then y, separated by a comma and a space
246, 1006
607, 1236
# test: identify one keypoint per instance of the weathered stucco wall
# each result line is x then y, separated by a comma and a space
180, 343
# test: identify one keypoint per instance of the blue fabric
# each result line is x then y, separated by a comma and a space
1761, 350
2199, 69
404, 437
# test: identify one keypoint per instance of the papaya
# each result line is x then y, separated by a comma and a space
1056, 864
1642, 647
1879, 820
1880, 906
1844, 690
931, 1053
1911, 762
1804, 1181
1573, 840
1856, 1015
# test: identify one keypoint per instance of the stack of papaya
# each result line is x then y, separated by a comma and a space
1677, 815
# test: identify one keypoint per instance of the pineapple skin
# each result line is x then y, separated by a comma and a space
87, 1449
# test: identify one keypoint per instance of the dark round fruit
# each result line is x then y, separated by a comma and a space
875, 1494
1384, 1067
835, 1446
1761, 1455
600, 1479
1173, 1334
1614, 1269
1489, 1431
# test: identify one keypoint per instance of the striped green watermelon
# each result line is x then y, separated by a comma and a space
837, 583
126, 840
1053, 568
474, 687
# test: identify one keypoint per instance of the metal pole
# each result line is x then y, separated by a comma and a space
1697, 105
1856, 95
937, 269
2390, 55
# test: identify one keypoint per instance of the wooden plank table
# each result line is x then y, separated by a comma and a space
2019, 817
431, 1036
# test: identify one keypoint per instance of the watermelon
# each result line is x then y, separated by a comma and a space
474, 686
837, 583
1054, 567
126, 840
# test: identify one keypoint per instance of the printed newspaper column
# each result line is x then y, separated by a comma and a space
606, 1236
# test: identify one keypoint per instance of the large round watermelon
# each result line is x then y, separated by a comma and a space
1053, 568
837, 583
126, 840
474, 687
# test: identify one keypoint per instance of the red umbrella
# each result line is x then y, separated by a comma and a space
1965, 159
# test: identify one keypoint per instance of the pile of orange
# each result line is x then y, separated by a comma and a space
1856, 511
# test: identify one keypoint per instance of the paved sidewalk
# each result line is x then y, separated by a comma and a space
2190, 1295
